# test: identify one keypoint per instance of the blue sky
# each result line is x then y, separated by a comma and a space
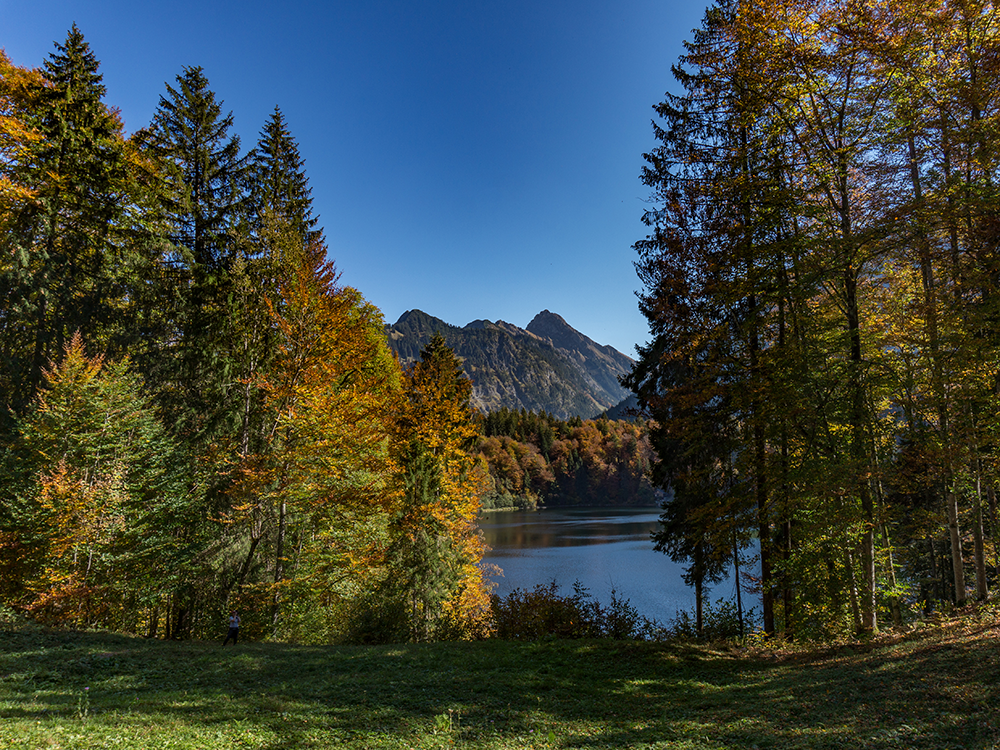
469, 159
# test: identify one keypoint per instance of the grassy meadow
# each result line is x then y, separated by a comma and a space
937, 686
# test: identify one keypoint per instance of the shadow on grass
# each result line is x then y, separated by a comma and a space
573, 693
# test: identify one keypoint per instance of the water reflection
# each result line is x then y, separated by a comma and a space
602, 548
507, 533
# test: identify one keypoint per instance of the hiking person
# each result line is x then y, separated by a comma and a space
234, 628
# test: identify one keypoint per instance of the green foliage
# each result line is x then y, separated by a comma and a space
501, 500
282, 188
818, 373
721, 621
424, 559
71, 255
248, 464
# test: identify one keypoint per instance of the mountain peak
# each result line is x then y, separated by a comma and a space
550, 366
548, 325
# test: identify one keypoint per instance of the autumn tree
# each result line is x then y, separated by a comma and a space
808, 272
436, 547
94, 493
314, 498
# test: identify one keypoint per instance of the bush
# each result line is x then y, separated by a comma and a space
544, 613
377, 618
720, 621
503, 500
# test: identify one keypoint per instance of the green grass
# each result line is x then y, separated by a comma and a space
937, 687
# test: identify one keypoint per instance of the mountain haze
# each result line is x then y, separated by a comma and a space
548, 366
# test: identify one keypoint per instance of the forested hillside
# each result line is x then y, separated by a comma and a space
536, 458
821, 284
196, 415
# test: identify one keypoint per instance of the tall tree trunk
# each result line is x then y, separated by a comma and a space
736, 573
991, 495
787, 596
154, 622
982, 590
868, 622
928, 606
957, 564
699, 589
852, 587
930, 316
279, 567
859, 423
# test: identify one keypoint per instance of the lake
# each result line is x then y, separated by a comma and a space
603, 548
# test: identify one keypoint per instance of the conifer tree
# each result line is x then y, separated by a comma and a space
204, 199
281, 187
65, 266
94, 497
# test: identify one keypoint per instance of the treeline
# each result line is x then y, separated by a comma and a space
197, 416
536, 458
822, 281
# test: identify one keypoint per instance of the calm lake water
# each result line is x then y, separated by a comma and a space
603, 548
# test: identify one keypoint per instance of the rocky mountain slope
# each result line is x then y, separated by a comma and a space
548, 366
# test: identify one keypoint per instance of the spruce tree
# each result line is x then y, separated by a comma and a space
281, 187
203, 170
203, 192
65, 268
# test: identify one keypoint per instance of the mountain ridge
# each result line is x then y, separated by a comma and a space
547, 366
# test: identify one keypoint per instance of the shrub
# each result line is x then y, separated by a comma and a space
720, 621
544, 613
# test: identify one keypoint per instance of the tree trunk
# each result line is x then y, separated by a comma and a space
897, 615
859, 452
982, 590
957, 564
699, 623
937, 386
852, 587
736, 573
279, 568
991, 495
928, 606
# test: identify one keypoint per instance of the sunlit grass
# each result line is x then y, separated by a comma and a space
935, 688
